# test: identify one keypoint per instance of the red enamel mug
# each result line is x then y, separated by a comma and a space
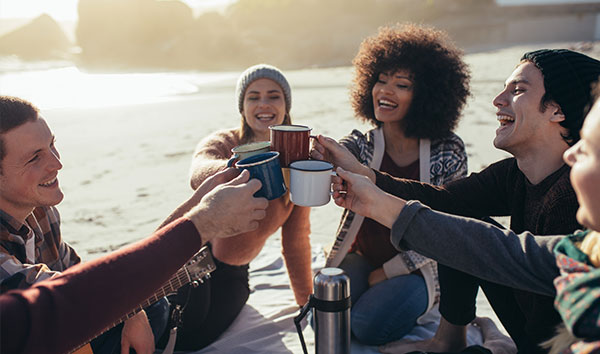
291, 141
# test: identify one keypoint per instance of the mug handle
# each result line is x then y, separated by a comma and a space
232, 160
333, 174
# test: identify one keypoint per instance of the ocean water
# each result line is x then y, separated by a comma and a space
58, 84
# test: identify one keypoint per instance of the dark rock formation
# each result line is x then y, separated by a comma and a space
40, 39
125, 33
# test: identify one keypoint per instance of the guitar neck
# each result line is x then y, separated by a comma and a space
197, 268
181, 278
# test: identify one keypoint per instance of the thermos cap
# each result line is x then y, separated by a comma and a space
331, 284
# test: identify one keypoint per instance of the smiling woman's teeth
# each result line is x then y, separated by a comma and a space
264, 116
387, 103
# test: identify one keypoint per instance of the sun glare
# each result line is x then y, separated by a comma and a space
66, 10
60, 10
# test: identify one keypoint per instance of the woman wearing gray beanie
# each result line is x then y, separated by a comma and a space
263, 98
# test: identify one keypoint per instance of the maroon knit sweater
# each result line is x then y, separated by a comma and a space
547, 208
62, 313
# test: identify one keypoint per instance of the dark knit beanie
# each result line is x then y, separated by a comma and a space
568, 79
262, 71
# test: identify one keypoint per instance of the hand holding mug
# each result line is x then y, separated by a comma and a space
266, 168
359, 194
208, 185
229, 209
211, 182
327, 149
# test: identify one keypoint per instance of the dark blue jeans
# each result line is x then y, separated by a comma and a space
386, 311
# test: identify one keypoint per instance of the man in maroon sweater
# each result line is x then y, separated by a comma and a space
31, 246
540, 111
42, 319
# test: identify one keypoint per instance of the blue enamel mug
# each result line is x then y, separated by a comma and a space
266, 168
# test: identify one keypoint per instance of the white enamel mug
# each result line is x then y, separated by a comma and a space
310, 182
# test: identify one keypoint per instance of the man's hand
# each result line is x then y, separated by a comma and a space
208, 185
359, 194
327, 149
137, 334
377, 276
211, 182
229, 209
591, 247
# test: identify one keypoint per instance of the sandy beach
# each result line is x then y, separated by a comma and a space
126, 165
126, 161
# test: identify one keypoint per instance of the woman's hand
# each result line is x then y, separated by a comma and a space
359, 194
327, 149
377, 276
591, 247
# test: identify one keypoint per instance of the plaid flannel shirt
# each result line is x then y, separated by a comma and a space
52, 255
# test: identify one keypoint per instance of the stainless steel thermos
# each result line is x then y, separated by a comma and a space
331, 312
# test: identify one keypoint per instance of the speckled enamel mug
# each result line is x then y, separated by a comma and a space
241, 152
265, 167
310, 182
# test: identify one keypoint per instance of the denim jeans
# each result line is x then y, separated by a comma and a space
386, 311
110, 341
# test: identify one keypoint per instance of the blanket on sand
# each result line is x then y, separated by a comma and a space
266, 324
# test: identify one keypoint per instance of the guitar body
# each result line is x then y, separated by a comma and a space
86, 349
195, 270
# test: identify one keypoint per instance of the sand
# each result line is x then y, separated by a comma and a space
126, 164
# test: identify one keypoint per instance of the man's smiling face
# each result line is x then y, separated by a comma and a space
29, 169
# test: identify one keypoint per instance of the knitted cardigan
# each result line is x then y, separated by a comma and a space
447, 162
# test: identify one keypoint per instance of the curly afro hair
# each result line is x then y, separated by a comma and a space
441, 78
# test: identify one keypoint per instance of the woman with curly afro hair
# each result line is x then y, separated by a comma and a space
411, 83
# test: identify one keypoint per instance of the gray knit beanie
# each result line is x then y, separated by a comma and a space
262, 71
568, 79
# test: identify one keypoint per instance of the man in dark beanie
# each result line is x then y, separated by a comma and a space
567, 78
540, 111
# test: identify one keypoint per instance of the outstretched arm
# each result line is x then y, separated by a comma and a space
211, 155
520, 261
61, 313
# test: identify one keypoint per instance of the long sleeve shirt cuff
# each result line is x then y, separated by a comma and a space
395, 267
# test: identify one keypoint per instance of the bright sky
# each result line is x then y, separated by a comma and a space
66, 10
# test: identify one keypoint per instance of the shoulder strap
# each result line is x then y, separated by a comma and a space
378, 148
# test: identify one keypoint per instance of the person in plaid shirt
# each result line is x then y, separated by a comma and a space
31, 246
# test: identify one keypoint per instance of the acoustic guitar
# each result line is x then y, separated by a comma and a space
193, 272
